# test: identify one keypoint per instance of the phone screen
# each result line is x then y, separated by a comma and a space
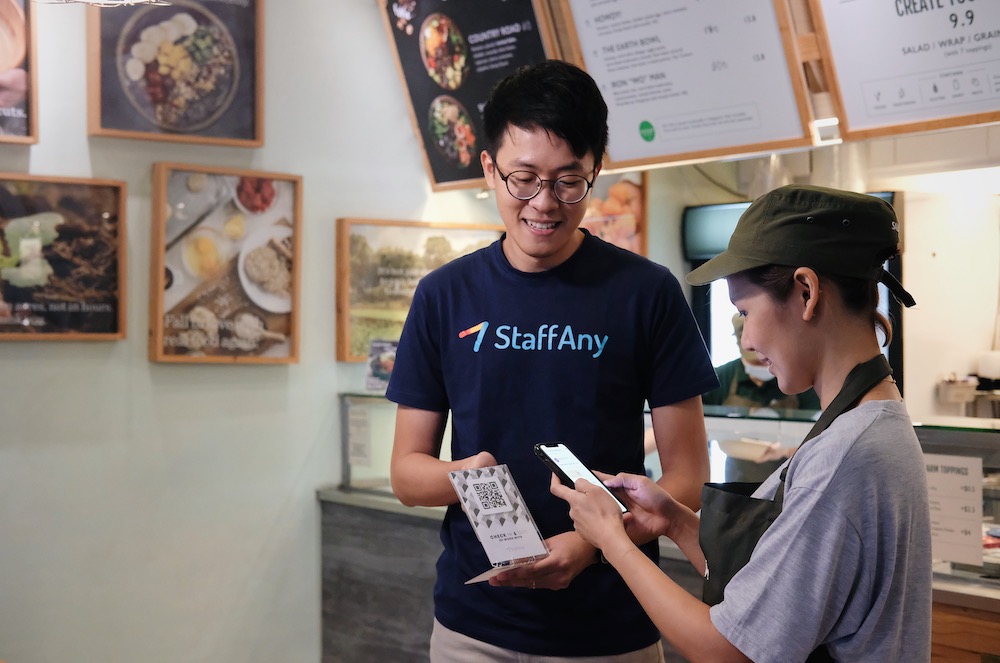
568, 467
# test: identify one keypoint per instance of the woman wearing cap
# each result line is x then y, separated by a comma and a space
830, 557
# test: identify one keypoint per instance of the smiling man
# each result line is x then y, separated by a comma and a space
549, 334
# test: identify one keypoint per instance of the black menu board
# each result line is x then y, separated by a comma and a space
908, 66
450, 54
686, 79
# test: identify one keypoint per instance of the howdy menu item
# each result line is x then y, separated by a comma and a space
450, 54
913, 65
493, 504
685, 78
228, 266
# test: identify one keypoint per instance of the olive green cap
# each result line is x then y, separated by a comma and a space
832, 231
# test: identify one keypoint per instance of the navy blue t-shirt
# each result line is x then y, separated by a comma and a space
571, 354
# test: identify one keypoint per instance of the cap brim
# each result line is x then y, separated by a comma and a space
722, 266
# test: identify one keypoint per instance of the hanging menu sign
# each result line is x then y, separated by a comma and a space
911, 65
686, 79
450, 54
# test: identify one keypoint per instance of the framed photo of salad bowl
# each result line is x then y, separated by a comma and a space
224, 286
62, 259
190, 71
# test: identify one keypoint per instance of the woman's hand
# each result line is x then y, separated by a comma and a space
650, 507
595, 515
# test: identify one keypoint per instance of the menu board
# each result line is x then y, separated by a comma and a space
686, 79
898, 67
450, 54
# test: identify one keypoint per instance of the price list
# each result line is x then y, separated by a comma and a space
684, 77
955, 490
914, 61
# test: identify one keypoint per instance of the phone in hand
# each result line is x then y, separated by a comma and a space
569, 468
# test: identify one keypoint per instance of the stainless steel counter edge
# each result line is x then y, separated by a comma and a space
957, 592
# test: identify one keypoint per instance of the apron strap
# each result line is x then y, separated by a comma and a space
862, 379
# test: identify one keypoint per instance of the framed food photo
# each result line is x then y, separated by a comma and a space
449, 56
62, 259
224, 286
18, 79
187, 71
616, 211
379, 263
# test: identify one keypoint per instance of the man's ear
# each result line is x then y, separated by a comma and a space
807, 292
488, 170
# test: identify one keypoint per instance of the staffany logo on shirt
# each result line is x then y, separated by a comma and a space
550, 338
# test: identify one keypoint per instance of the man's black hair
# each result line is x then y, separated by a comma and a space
552, 95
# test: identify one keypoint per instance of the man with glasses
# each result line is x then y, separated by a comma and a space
549, 334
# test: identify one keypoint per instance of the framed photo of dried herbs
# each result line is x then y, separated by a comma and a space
224, 286
62, 259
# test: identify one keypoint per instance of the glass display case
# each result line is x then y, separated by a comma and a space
368, 422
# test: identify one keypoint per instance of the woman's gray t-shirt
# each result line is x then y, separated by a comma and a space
848, 562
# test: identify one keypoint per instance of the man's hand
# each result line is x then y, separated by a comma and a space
569, 554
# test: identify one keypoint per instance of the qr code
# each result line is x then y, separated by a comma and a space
491, 496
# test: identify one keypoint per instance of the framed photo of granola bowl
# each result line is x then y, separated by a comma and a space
62, 259
224, 286
18, 77
184, 71
378, 266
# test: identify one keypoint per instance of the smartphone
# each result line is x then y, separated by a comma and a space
568, 467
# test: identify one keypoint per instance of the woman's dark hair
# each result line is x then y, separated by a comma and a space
552, 95
859, 295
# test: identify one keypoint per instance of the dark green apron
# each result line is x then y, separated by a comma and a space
732, 521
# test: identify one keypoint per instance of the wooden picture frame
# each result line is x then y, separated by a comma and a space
18, 73
693, 84
937, 73
62, 261
378, 265
448, 56
225, 267
191, 71
617, 209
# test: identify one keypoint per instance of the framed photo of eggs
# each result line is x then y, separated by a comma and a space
188, 71
224, 286
62, 259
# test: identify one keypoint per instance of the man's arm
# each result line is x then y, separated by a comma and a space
682, 446
418, 476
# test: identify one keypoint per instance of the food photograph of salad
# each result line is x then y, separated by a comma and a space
451, 127
181, 71
444, 51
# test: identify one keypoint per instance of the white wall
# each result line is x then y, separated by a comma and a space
162, 513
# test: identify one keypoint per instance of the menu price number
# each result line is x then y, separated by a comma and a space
962, 20
966, 488
719, 65
750, 18
711, 29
